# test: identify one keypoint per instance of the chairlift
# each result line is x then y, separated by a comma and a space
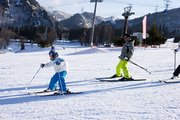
40, 14
165, 11
9, 15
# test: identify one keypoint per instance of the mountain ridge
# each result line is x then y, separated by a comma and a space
170, 19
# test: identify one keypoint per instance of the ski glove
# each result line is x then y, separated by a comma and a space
58, 63
126, 58
42, 65
176, 50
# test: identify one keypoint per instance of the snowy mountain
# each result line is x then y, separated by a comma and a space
59, 15
170, 20
112, 18
24, 13
29, 12
81, 20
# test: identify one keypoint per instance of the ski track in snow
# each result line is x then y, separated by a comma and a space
150, 99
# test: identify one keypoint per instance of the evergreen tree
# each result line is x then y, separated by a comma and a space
101, 35
118, 41
155, 37
41, 35
177, 39
59, 33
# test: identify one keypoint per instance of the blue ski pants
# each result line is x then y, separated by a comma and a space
60, 78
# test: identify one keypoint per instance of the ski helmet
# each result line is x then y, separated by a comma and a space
54, 54
52, 48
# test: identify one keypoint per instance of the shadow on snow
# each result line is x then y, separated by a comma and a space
24, 98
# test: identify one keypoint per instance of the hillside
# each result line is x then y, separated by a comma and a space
24, 13
171, 20
29, 12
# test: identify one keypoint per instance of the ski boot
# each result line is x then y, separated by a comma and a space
126, 79
115, 76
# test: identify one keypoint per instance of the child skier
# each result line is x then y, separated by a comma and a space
60, 66
126, 54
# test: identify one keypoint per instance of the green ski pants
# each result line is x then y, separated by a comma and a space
122, 65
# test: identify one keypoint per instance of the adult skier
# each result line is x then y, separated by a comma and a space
60, 66
177, 70
126, 54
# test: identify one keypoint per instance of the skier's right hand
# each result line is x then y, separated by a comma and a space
58, 63
119, 57
176, 50
126, 58
42, 65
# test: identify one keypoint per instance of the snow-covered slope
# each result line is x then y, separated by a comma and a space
150, 99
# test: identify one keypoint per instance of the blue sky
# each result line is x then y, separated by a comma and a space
109, 8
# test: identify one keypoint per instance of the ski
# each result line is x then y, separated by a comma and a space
119, 80
108, 78
54, 94
40, 92
170, 81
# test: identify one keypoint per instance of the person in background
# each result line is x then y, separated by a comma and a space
177, 70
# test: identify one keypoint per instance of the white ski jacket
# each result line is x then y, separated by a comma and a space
63, 66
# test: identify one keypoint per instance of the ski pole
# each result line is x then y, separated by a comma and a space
174, 60
140, 66
60, 81
32, 79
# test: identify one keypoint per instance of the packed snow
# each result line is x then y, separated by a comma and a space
133, 100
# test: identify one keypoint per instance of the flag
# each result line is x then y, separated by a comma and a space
144, 23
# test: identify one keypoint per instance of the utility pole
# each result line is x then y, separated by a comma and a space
82, 9
93, 24
156, 8
126, 14
167, 5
